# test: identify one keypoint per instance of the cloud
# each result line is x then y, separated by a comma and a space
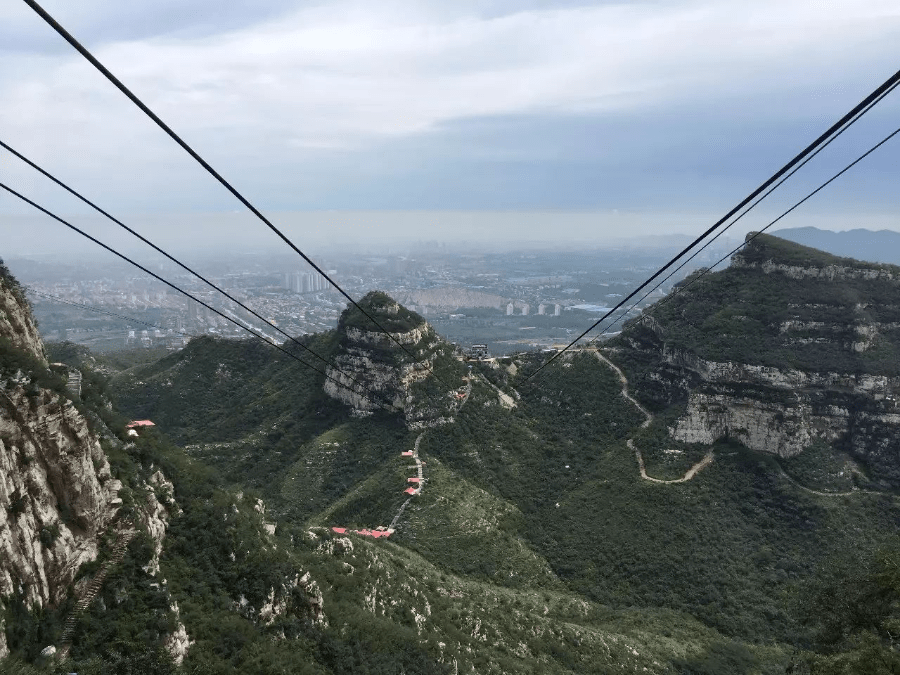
325, 83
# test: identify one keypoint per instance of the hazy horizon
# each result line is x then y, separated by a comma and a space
354, 125
322, 233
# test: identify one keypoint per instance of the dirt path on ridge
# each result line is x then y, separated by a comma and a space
797, 484
648, 418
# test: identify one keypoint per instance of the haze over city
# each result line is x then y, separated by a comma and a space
358, 124
505, 336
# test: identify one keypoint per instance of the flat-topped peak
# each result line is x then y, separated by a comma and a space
765, 249
389, 313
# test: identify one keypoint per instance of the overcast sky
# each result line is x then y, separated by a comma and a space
599, 117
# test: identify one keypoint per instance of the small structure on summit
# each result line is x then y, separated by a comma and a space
134, 426
479, 352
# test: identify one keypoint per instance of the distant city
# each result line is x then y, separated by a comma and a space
508, 301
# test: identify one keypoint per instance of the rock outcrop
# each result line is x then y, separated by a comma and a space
371, 371
16, 322
178, 643
808, 333
56, 494
56, 490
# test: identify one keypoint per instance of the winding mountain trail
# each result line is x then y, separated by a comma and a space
118, 552
419, 466
648, 418
795, 483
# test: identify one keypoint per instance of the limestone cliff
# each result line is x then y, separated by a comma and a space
16, 322
376, 373
786, 347
56, 490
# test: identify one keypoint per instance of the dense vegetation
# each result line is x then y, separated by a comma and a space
547, 495
535, 545
765, 247
745, 315
390, 315
79, 356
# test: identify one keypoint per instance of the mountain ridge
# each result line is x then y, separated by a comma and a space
541, 542
859, 243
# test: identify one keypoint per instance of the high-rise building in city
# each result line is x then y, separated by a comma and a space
510, 308
307, 282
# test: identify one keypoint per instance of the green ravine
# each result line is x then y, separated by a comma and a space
535, 545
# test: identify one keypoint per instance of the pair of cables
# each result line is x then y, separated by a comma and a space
82, 50
760, 193
68, 37
703, 272
180, 290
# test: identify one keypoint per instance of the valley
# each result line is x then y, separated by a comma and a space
676, 501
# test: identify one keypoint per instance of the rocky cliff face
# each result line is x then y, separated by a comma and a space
809, 336
56, 491
16, 322
783, 412
375, 371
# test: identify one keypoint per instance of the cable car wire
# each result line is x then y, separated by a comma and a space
149, 243
746, 211
862, 105
754, 235
180, 290
215, 174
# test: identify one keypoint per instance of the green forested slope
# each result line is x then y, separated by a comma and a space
544, 495
743, 314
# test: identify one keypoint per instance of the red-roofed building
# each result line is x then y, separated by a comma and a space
408, 453
411, 491
377, 533
414, 479
140, 423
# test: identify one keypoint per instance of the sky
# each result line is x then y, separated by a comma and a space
567, 121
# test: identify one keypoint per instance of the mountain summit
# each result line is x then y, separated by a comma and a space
788, 347
374, 370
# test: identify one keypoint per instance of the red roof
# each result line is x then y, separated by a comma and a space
408, 453
410, 491
414, 479
140, 423
365, 532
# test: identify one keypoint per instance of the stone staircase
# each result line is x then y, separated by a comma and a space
115, 557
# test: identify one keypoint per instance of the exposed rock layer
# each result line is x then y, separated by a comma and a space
831, 307
16, 322
56, 490
372, 372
